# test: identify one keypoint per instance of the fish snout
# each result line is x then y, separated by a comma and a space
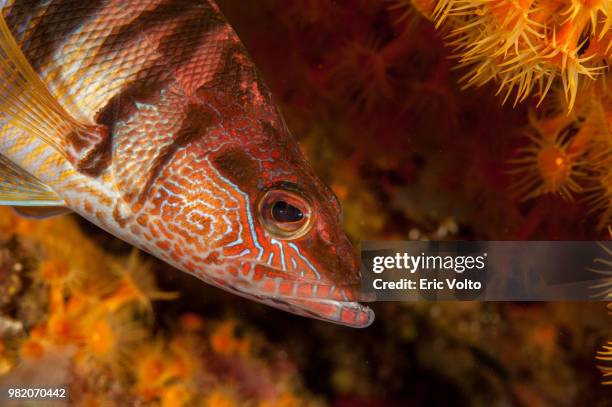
339, 276
347, 265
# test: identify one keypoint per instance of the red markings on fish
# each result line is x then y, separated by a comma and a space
173, 143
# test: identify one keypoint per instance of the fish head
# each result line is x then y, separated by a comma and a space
244, 210
292, 252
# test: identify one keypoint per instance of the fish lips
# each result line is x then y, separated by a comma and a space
314, 299
348, 313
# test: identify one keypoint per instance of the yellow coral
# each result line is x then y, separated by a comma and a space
605, 355
152, 370
53, 272
525, 45
182, 349
136, 284
220, 398
224, 340
176, 395
159, 365
362, 73
600, 197
62, 329
549, 165
110, 338
31, 349
191, 322
570, 153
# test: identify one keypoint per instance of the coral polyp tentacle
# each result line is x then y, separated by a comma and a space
526, 45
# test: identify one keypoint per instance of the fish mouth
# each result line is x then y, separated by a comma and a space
348, 313
339, 311
306, 297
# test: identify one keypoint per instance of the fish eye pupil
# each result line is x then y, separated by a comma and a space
285, 212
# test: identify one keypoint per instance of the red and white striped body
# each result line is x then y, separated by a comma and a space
194, 142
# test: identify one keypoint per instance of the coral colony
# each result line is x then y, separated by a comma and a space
556, 51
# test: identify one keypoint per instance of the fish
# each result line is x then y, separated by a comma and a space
149, 119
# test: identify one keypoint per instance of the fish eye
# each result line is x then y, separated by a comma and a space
285, 214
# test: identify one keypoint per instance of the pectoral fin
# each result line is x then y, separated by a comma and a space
27, 103
19, 188
40, 212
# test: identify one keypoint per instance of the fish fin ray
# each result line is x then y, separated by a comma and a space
27, 103
40, 212
19, 188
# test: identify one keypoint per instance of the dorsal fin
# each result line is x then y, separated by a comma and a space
19, 188
27, 103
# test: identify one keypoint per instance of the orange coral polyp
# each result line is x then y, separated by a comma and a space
31, 349
592, 4
568, 35
554, 166
156, 368
191, 322
606, 189
153, 370
581, 142
176, 395
224, 342
126, 292
151, 375
101, 339
501, 10
52, 271
526, 45
220, 399
62, 330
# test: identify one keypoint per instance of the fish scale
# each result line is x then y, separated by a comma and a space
149, 119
